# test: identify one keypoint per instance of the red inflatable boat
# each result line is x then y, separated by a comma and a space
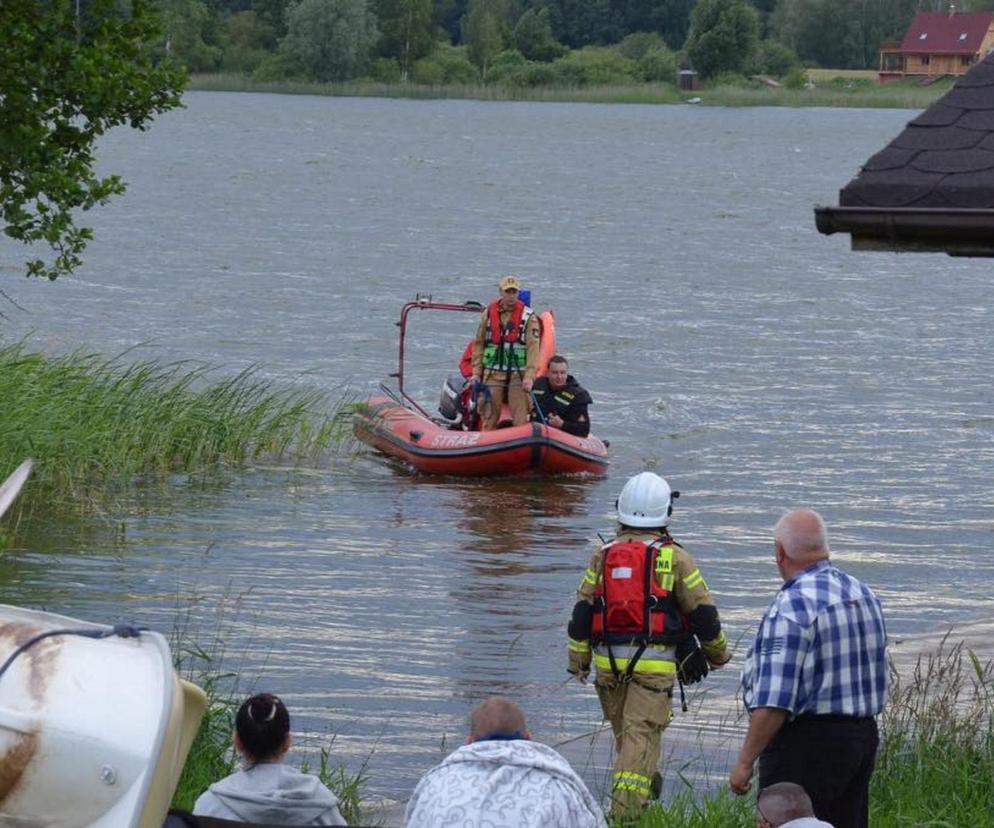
398, 426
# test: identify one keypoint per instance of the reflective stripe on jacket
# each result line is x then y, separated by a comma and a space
508, 354
656, 660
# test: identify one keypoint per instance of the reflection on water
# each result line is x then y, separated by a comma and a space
726, 344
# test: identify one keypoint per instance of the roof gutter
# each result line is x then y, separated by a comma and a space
958, 231
935, 52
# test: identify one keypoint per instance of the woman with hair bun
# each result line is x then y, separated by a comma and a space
265, 790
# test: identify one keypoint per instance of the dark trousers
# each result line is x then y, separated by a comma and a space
832, 758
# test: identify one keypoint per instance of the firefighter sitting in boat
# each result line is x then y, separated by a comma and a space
643, 605
560, 400
505, 356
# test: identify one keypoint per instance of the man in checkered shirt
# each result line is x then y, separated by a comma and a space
814, 679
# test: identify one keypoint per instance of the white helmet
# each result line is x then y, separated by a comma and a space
645, 501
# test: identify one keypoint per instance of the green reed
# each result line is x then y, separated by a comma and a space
718, 810
348, 787
212, 756
935, 765
936, 760
901, 95
622, 93
92, 422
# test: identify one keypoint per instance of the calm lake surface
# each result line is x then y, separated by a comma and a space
727, 345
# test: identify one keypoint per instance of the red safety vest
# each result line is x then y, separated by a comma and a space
631, 603
515, 331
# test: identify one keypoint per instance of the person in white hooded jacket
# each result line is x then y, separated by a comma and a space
502, 779
265, 790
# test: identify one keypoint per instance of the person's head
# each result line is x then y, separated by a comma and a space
262, 729
497, 718
558, 372
509, 287
780, 803
799, 540
645, 502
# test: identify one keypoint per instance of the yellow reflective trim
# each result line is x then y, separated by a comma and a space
590, 577
631, 776
664, 568
643, 665
694, 580
718, 644
627, 781
639, 789
579, 646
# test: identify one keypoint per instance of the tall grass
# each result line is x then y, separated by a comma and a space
627, 93
935, 765
211, 756
903, 95
890, 96
715, 810
936, 761
89, 421
348, 787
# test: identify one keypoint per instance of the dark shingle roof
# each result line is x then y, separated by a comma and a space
928, 164
934, 33
932, 187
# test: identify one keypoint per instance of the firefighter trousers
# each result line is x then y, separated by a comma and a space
639, 709
502, 389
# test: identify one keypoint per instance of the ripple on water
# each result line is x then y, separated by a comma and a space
727, 345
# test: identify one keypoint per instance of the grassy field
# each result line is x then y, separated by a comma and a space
823, 75
840, 88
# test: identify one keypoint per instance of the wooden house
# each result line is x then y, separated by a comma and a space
937, 44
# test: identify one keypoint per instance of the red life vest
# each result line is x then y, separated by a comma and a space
514, 328
630, 602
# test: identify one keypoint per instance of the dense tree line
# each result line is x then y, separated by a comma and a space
529, 41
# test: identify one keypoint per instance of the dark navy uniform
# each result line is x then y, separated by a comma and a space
569, 402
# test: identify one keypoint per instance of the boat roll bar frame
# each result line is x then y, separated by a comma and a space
422, 302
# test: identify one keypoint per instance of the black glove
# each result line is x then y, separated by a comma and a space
692, 664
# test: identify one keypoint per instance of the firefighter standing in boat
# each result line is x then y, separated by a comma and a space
505, 355
642, 607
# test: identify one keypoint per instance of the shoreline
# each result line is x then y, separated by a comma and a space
833, 94
708, 742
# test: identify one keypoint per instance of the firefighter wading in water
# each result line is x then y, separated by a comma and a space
505, 355
643, 605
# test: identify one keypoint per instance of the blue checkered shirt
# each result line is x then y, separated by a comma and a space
821, 648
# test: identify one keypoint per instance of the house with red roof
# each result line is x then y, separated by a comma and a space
938, 43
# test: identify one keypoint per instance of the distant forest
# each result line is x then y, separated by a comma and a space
530, 42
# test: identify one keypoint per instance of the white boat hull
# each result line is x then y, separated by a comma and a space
93, 731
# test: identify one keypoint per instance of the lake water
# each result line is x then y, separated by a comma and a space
727, 345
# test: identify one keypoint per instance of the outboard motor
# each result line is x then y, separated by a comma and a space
450, 403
